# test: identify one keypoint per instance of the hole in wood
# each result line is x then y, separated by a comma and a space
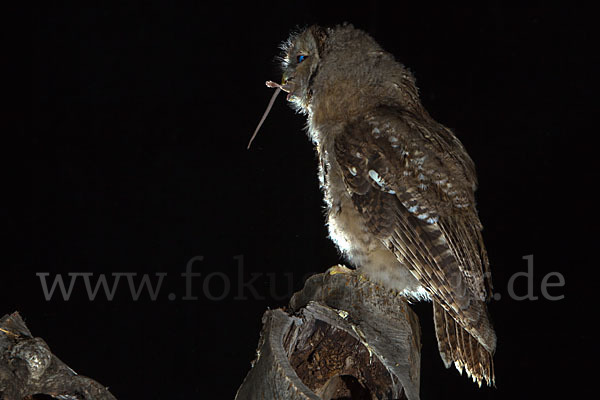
334, 364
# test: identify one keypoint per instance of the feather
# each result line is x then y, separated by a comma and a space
433, 229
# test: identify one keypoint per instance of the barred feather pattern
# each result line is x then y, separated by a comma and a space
423, 211
458, 347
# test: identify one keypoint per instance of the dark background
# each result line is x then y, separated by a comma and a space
140, 115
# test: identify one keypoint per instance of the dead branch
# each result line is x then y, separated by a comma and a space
342, 337
28, 367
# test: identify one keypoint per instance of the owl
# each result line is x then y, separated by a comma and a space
398, 186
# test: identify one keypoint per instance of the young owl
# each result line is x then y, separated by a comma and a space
398, 186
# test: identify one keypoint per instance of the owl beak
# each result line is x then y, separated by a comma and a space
287, 85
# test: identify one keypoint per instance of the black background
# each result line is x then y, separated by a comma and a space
137, 163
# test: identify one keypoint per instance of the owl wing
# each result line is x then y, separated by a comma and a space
413, 183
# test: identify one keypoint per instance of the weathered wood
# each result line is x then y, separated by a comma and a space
342, 337
272, 376
28, 367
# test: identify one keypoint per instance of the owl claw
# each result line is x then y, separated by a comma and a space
339, 269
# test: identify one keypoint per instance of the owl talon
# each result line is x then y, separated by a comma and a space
339, 269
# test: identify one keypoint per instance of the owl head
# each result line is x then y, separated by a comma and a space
300, 63
341, 72
341, 65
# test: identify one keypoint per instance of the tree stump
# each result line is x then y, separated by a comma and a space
28, 367
342, 337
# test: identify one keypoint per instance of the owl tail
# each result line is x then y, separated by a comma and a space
458, 346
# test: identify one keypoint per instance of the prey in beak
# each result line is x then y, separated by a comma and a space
286, 87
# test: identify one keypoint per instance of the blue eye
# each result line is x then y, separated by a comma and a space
300, 59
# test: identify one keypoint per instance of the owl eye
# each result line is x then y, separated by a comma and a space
300, 58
